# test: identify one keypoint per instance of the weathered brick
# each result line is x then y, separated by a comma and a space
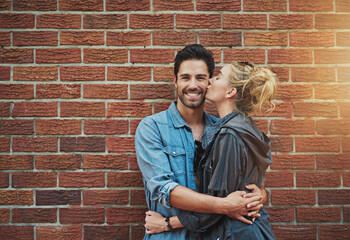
79, 215
290, 162
244, 21
346, 214
311, 6
265, 39
17, 232
5, 5
151, 21
223, 5
35, 73
4, 144
315, 109
82, 38
291, 21
294, 91
220, 38
58, 162
34, 215
346, 183
5, 73
342, 6
104, 21
174, 38
34, 5
287, 127
346, 144
317, 144
128, 73
16, 197
133, 125
151, 55
137, 197
63, 55
291, 232
82, 73
290, 56
332, 21
57, 91
121, 144
161, 106
249, 55
16, 55
343, 39
333, 127
34, 144
163, 74
344, 109
34, 179
318, 179
279, 179
58, 127
17, 20
63, 21
282, 109
5, 38
81, 179
134, 38
311, 39
281, 144
129, 5
124, 179
181, 5
106, 127
281, 214
34, 109
333, 196
4, 109
333, 232
324, 56
313, 74
137, 232
265, 5
154, 91
82, 144
189, 21
16, 91
102, 55
4, 215
106, 232
16, 127
110, 197
82, 109
293, 197
57, 197
37, 38
106, 91
333, 161
4, 183
110, 161
125, 214
133, 162
59, 232
77, 5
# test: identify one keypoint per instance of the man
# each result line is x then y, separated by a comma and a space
165, 149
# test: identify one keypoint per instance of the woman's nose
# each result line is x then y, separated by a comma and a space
210, 80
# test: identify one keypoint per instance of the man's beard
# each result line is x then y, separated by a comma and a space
190, 104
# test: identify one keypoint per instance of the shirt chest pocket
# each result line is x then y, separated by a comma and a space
177, 160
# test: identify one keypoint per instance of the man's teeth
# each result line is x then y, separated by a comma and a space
193, 94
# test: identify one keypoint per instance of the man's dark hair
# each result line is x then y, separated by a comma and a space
196, 52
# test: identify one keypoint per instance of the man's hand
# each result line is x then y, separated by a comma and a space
155, 223
254, 207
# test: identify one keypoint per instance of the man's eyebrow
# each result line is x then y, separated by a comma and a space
202, 75
184, 75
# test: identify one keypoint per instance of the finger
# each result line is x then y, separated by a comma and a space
244, 220
253, 194
250, 186
253, 219
257, 208
254, 214
149, 213
254, 201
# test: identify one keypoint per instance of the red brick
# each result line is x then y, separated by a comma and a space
16, 162
333, 161
291, 232
78, 215
124, 179
137, 197
63, 21
57, 197
152, 21
346, 181
16, 197
126, 215
104, 21
154, 91
77, 5
290, 56
63, 55
106, 232
346, 214
82, 144
151, 55
281, 144
5, 38
110, 161
34, 215
265, 5
121, 144
106, 91
161, 106
297, 127
315, 109
283, 109
346, 144
16, 127
333, 127
34, 144
58, 162
34, 5
344, 109
106, 127
310, 6
137, 232
4, 144
105, 55
311, 39
82, 38
133, 125
317, 144
343, 39
281, 72
279, 179
16, 91
291, 21
129, 109
318, 179
130, 5
135, 38
58, 232
187, 21
4, 109
17, 232
164, 5
17, 20
294, 91
220, 38
4, 215
133, 162
329, 56
34, 109
342, 6
262, 124
313, 74
82, 109
249, 55
318, 214
57, 91
335, 232
223, 5
244, 21
37, 73
5, 73
58, 127
128, 73
16, 55
265, 39
216, 55
34, 179
81, 179
173, 38
37, 38
5, 5
281, 214
293, 197
79, 73
110, 197
332, 21
333, 197
4, 183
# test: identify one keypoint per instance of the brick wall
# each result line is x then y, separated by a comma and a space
77, 76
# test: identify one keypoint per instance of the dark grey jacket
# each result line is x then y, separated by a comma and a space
236, 154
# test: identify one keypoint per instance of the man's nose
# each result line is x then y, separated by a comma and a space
193, 83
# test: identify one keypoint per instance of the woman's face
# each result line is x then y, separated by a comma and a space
218, 85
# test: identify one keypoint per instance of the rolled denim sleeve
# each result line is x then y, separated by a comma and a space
153, 162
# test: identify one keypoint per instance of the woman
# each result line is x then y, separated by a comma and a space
237, 153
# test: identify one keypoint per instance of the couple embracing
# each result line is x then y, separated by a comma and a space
203, 176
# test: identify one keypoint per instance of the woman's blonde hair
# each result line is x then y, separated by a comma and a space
255, 86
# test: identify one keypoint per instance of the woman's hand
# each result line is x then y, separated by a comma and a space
155, 223
254, 207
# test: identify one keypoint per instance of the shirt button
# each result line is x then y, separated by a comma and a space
174, 153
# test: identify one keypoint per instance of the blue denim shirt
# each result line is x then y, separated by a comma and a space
165, 151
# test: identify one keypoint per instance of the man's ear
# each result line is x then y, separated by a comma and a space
231, 92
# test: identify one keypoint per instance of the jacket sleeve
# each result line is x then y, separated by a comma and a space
154, 163
226, 169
